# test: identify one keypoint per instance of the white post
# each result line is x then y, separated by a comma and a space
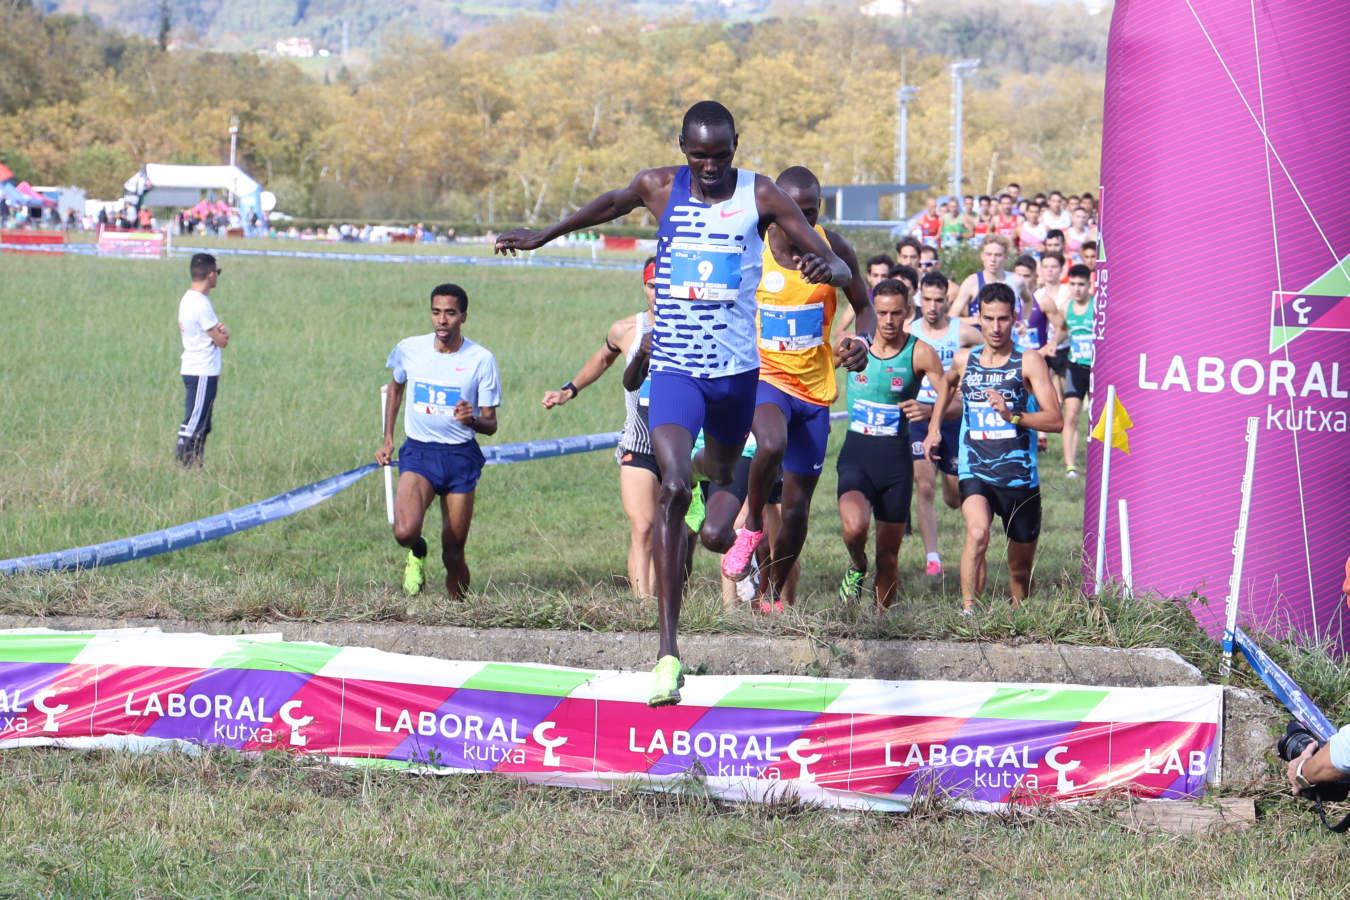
1239, 548
595, 249
388, 470
1126, 561
1106, 478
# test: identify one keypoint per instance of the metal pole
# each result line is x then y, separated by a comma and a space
388, 470
959, 71
1106, 479
1239, 549
957, 81
903, 95
1126, 560
234, 137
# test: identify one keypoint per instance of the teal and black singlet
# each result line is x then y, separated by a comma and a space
992, 449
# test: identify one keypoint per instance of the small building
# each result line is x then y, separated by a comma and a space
295, 47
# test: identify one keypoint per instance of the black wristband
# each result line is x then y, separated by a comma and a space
571, 387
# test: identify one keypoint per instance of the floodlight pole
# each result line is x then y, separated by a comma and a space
960, 71
903, 95
234, 137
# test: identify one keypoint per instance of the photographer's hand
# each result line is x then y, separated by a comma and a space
1291, 771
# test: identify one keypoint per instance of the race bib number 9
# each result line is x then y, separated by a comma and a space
983, 423
704, 272
876, 419
435, 399
791, 327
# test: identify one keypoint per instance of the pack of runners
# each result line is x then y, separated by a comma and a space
739, 342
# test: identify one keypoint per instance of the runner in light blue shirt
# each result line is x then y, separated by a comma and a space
452, 388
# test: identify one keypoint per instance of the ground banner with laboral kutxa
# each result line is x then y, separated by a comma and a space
848, 743
1240, 112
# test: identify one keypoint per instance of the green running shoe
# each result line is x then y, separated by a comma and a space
667, 679
414, 574
850, 589
694, 517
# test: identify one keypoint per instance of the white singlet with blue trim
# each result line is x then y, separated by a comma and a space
946, 346
708, 262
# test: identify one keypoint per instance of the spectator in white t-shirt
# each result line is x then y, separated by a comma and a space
203, 336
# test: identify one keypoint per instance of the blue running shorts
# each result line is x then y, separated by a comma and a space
451, 468
722, 407
808, 430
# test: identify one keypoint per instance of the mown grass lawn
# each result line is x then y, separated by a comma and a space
90, 400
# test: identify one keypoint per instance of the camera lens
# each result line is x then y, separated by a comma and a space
1295, 740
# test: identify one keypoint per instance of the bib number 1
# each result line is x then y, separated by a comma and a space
791, 327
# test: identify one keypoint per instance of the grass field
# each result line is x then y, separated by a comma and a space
90, 400
92, 411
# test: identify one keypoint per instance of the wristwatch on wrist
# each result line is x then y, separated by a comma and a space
1016, 417
570, 387
1302, 780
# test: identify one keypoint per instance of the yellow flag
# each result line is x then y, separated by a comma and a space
1120, 424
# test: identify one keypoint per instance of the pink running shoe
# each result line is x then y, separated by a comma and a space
736, 561
934, 568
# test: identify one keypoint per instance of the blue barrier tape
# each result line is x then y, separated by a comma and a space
153, 543
82, 249
564, 262
526, 450
554, 262
1283, 687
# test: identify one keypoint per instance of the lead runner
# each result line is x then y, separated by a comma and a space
704, 360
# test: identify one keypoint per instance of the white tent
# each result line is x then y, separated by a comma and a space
164, 185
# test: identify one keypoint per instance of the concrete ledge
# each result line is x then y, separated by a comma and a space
1251, 721
714, 654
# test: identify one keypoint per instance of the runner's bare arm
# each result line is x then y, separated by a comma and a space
1024, 292
854, 357
952, 410
646, 188
963, 298
844, 322
1036, 373
1055, 316
818, 263
484, 422
928, 363
1053, 313
636, 371
616, 340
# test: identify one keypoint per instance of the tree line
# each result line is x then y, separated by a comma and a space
524, 121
